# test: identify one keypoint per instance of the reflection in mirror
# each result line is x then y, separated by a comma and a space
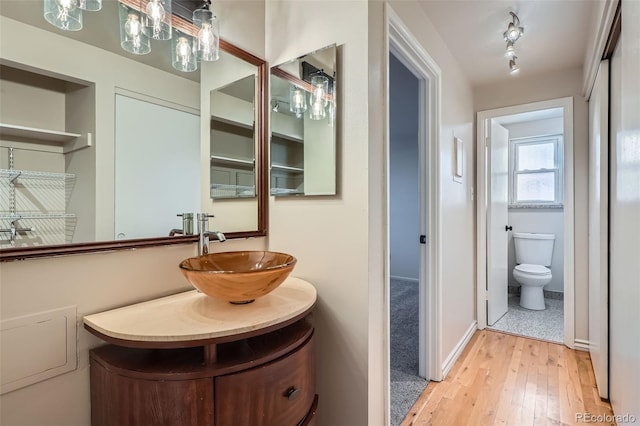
98, 145
233, 140
303, 125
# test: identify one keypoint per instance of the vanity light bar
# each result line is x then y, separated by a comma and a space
181, 24
297, 81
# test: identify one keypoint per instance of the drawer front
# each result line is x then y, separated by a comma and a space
276, 394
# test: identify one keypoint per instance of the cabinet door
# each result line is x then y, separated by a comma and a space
120, 401
276, 394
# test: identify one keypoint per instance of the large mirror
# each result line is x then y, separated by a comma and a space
303, 125
102, 149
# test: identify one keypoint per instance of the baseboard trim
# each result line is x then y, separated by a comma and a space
581, 345
455, 354
413, 280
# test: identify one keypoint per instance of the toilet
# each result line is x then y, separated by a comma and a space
533, 257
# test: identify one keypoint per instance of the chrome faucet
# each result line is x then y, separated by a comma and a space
187, 225
205, 234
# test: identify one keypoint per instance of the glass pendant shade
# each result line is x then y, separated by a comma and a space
64, 14
156, 19
317, 111
132, 38
319, 90
208, 38
183, 54
510, 52
90, 5
297, 101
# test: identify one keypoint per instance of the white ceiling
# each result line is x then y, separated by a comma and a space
555, 34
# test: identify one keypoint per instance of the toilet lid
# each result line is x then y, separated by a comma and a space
533, 269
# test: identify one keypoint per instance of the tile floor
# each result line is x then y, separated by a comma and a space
546, 325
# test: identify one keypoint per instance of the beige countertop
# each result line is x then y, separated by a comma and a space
191, 315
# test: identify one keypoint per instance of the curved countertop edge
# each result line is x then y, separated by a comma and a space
201, 339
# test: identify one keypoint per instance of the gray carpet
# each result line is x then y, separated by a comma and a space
406, 385
545, 325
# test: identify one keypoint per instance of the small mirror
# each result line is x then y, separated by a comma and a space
303, 125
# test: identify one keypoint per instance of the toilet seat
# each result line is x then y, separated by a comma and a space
527, 268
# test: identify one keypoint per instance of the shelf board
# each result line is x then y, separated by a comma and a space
18, 216
15, 173
287, 168
232, 160
44, 135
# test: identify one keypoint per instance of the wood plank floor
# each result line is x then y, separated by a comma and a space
501, 379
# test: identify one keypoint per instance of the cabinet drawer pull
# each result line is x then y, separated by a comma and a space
292, 393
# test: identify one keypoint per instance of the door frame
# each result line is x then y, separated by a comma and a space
568, 213
407, 49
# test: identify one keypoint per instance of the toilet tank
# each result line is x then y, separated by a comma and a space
535, 249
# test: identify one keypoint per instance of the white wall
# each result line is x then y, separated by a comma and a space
624, 272
404, 193
96, 282
545, 221
553, 85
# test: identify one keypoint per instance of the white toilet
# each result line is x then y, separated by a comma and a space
533, 256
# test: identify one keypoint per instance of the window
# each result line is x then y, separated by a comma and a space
536, 171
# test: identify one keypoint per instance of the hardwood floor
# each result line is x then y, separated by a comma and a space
501, 379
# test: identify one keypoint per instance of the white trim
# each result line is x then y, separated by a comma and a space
457, 350
581, 345
481, 278
594, 57
413, 280
406, 47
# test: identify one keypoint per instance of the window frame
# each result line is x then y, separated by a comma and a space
558, 170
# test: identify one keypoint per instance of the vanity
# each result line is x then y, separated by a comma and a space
190, 359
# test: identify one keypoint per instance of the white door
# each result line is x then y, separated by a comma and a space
598, 228
497, 221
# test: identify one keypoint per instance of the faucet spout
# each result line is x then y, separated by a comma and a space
205, 234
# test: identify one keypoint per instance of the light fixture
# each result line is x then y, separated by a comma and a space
275, 106
513, 68
183, 52
318, 99
63, 14
510, 52
132, 38
156, 19
297, 100
514, 30
90, 5
208, 38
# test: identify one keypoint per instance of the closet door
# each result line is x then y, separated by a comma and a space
598, 228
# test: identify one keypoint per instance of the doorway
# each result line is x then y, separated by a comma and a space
409, 56
404, 243
525, 225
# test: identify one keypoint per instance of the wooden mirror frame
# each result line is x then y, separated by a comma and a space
261, 161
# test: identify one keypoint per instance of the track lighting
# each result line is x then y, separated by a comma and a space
513, 68
510, 52
514, 30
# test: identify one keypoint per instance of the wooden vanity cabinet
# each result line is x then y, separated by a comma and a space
265, 380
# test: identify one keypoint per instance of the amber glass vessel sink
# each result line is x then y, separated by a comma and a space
238, 276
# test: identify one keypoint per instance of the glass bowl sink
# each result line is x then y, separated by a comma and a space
238, 276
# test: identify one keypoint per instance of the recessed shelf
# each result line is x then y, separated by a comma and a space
70, 141
232, 160
45, 135
287, 168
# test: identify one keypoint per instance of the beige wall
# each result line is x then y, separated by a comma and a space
543, 87
329, 235
101, 281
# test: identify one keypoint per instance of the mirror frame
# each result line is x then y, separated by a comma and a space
21, 253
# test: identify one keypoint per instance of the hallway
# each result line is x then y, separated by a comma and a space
504, 379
